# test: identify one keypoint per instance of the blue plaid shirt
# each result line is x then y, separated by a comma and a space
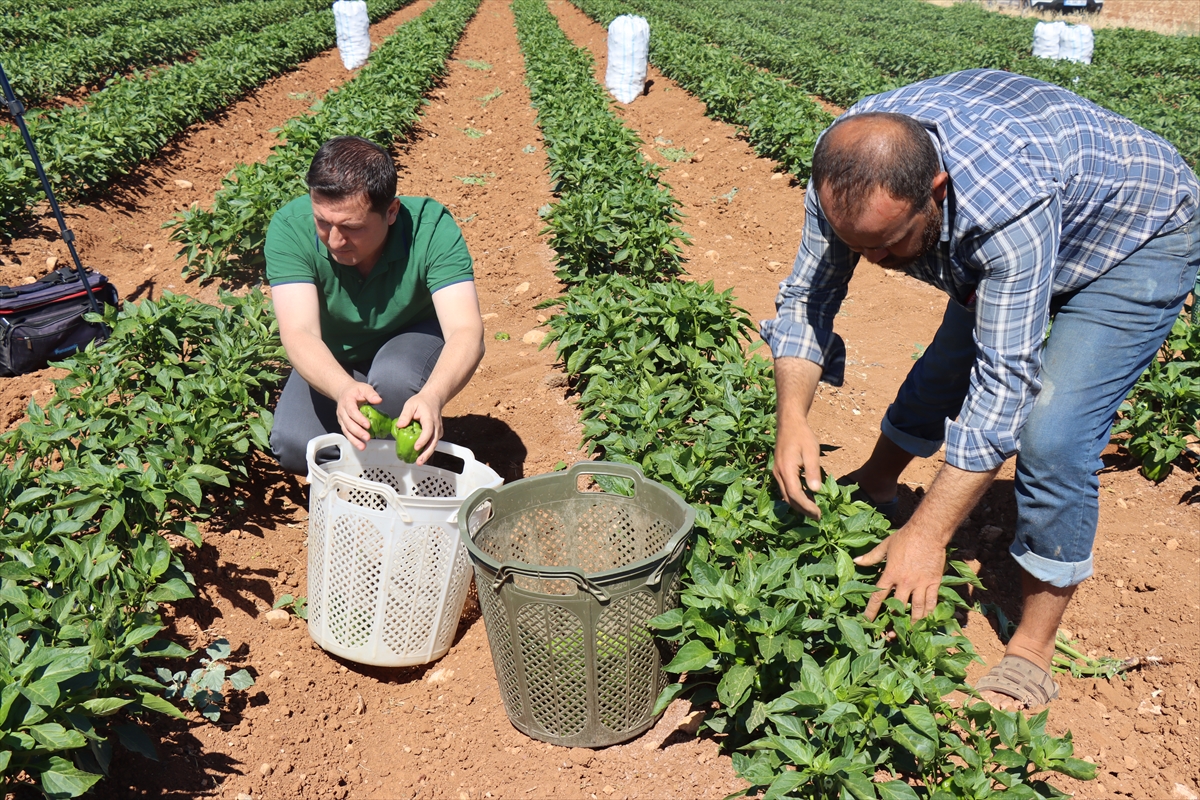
1048, 192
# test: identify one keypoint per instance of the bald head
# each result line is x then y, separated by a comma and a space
863, 153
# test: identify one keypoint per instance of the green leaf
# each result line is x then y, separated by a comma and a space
105, 706
241, 680
152, 702
669, 693
135, 739
170, 591
61, 779
859, 785
923, 720
735, 685
53, 736
691, 657
784, 782
917, 744
895, 790
1078, 769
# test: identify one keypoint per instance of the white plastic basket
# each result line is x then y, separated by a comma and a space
387, 570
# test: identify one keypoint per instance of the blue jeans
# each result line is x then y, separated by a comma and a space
397, 372
1102, 338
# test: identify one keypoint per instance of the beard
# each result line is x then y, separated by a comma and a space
931, 237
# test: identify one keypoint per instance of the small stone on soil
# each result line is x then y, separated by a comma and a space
265, 770
278, 618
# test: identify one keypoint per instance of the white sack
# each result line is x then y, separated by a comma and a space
1047, 39
353, 32
628, 49
1077, 44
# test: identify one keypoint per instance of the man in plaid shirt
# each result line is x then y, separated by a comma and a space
1024, 203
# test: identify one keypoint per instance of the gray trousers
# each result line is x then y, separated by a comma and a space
398, 371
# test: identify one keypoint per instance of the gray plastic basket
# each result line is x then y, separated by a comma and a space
567, 579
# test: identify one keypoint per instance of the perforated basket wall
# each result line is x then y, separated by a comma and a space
567, 580
387, 571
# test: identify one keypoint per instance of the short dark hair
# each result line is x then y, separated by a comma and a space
347, 166
893, 153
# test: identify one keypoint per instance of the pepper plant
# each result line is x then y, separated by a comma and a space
137, 439
1161, 416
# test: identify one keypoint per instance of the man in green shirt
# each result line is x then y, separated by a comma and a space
376, 302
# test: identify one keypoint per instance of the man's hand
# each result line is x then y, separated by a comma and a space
916, 554
355, 426
796, 446
796, 449
425, 409
915, 564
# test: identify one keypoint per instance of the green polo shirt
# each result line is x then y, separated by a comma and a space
424, 252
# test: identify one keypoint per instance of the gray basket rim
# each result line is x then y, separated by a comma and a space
672, 549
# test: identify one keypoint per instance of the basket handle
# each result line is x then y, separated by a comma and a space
506, 571
609, 468
458, 451
675, 545
337, 480
320, 443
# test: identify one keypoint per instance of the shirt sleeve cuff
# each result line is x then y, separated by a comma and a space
978, 449
826, 348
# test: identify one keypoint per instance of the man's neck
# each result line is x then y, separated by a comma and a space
365, 266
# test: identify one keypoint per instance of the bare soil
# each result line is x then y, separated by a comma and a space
317, 726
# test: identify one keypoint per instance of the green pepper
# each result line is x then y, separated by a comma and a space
406, 441
381, 424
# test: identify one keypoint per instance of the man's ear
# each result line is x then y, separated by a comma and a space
941, 186
393, 210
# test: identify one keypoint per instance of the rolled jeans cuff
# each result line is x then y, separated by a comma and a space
914, 445
1056, 573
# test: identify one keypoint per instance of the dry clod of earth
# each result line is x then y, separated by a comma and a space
278, 618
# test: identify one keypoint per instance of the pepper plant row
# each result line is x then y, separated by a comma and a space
381, 104
844, 51
138, 434
779, 120
814, 700
21, 7
57, 25
83, 148
1161, 416
41, 71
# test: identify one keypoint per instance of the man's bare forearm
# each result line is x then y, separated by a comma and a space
313, 359
460, 356
796, 382
953, 495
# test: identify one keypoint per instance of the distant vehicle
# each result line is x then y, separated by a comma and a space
1065, 6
